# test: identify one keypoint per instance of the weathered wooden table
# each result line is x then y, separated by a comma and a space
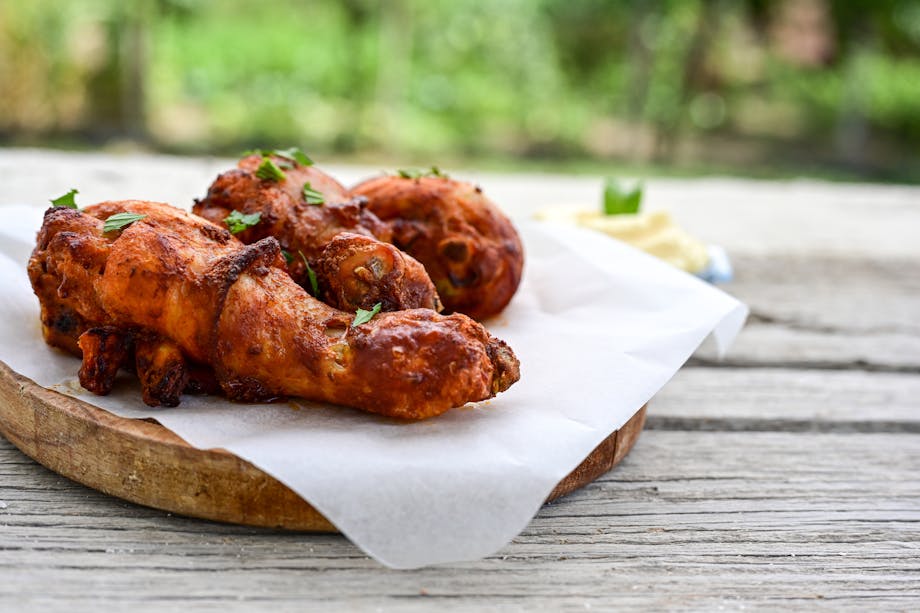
787, 475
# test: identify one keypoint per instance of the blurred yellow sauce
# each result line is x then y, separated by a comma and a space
655, 233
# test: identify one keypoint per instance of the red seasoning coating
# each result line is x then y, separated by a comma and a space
305, 209
194, 307
360, 271
470, 249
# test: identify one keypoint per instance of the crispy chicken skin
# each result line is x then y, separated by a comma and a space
285, 213
359, 271
182, 297
308, 229
469, 248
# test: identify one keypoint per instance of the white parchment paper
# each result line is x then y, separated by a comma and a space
598, 326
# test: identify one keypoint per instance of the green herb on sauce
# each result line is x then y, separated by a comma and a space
311, 276
294, 154
237, 221
414, 173
269, 171
311, 196
120, 221
362, 316
66, 200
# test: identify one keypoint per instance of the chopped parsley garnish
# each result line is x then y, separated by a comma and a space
314, 285
120, 221
434, 171
269, 170
311, 196
66, 200
362, 316
237, 221
293, 154
621, 201
287, 256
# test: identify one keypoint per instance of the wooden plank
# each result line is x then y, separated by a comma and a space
101, 176
785, 400
759, 218
832, 313
702, 520
846, 295
773, 346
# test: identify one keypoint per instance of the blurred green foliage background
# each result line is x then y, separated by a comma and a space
752, 87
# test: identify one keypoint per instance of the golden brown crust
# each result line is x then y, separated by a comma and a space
469, 248
105, 349
285, 214
162, 370
358, 272
307, 231
190, 295
75, 254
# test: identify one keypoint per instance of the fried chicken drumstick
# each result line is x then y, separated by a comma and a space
305, 209
450, 244
188, 304
469, 248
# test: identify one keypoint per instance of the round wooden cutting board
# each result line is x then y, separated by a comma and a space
143, 462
